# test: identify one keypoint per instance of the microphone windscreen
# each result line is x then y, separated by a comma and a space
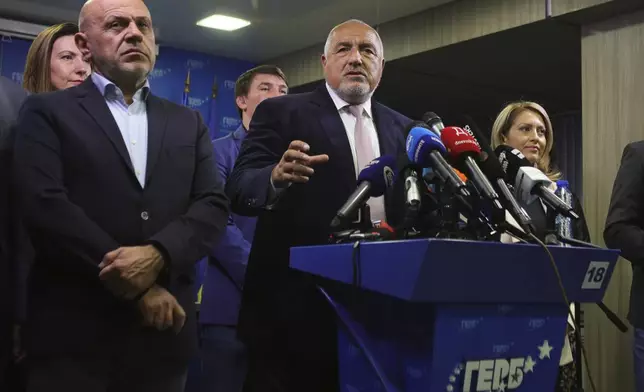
420, 142
430, 118
380, 173
459, 142
488, 161
511, 160
414, 124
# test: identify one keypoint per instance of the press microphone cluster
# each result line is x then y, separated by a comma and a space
474, 204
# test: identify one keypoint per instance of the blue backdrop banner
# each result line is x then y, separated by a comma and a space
208, 73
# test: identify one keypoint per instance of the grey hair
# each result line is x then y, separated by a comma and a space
327, 44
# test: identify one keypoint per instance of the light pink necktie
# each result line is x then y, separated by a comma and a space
364, 149
364, 155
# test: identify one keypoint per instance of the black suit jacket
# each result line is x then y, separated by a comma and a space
625, 223
11, 98
80, 199
279, 304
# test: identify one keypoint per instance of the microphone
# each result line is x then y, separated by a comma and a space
373, 181
489, 164
412, 188
463, 148
425, 149
531, 182
435, 123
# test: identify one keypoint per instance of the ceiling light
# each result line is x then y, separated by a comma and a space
223, 22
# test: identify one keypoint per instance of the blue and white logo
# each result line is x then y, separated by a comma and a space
230, 122
229, 84
497, 375
195, 64
159, 73
17, 77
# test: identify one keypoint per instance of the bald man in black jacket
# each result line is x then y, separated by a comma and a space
11, 98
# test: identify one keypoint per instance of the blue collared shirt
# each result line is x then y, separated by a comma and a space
132, 121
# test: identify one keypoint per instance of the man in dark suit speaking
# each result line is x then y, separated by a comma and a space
121, 198
296, 167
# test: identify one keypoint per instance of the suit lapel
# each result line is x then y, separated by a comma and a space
157, 121
94, 104
334, 129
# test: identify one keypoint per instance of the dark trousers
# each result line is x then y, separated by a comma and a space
638, 359
224, 359
122, 373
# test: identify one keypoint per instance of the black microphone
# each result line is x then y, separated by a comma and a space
465, 150
490, 166
530, 182
434, 122
373, 181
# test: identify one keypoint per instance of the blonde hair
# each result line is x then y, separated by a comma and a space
37, 76
504, 122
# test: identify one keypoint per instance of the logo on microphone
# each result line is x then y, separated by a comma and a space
504, 161
518, 153
469, 132
460, 132
389, 175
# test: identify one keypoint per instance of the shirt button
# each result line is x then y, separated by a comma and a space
133, 142
145, 216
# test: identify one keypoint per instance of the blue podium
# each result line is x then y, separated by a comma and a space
452, 316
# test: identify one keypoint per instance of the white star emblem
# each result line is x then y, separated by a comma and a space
529, 365
457, 371
450, 388
544, 350
501, 387
452, 379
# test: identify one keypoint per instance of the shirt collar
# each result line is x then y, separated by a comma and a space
107, 87
240, 133
340, 103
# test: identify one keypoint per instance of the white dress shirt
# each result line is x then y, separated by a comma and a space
132, 121
349, 122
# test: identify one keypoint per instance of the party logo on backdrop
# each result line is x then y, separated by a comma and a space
195, 64
229, 84
17, 77
230, 122
159, 73
196, 102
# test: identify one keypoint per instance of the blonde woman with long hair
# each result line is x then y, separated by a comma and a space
526, 126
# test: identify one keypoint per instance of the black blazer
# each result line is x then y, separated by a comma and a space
278, 303
80, 199
11, 98
625, 223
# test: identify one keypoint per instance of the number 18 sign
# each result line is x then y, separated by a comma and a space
595, 275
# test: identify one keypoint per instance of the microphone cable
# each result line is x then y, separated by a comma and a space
353, 334
567, 302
